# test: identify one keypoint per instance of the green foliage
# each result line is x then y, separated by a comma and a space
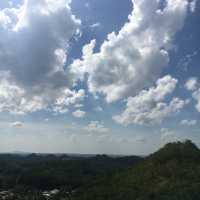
29, 175
172, 173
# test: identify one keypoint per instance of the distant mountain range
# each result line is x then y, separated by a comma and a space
77, 155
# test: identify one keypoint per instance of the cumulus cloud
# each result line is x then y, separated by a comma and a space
193, 85
188, 122
96, 127
79, 114
149, 106
14, 100
134, 58
33, 50
16, 124
68, 98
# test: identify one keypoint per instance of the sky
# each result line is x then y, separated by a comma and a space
90, 76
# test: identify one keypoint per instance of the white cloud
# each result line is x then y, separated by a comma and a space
68, 98
79, 114
99, 109
134, 58
196, 96
193, 6
16, 124
95, 25
14, 100
78, 105
191, 84
149, 106
33, 50
188, 122
96, 127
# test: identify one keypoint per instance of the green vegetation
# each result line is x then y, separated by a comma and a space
30, 175
172, 173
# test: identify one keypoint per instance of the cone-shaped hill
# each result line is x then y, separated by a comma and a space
172, 173
180, 151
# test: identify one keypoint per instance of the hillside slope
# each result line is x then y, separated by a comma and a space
172, 173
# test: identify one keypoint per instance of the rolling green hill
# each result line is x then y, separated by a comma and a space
172, 173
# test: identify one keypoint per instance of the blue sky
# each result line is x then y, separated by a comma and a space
98, 76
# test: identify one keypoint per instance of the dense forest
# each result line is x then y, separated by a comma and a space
172, 173
32, 174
